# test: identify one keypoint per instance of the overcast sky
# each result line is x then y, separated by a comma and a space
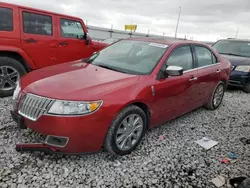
201, 19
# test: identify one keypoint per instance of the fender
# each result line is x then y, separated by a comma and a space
128, 103
18, 50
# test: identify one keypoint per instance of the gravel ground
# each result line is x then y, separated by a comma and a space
176, 161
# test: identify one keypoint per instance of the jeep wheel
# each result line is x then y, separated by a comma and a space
10, 73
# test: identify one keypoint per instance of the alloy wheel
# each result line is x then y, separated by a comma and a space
9, 77
218, 95
129, 132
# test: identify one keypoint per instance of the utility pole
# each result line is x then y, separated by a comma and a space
237, 32
111, 31
176, 30
87, 24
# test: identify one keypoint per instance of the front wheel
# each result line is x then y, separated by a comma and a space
217, 97
126, 131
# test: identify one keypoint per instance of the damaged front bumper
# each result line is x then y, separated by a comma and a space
45, 146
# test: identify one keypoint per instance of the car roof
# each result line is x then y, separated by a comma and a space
38, 10
164, 40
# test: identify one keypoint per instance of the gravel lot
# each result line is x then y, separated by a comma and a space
176, 161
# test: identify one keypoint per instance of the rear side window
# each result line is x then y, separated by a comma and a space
37, 24
204, 56
181, 56
214, 58
6, 19
71, 29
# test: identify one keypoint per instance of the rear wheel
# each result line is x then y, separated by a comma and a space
217, 97
126, 131
247, 88
10, 73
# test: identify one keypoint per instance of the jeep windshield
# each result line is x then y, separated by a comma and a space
231, 47
129, 56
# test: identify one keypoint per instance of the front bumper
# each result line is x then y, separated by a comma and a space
18, 119
85, 134
239, 79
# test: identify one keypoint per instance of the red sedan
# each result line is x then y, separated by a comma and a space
111, 99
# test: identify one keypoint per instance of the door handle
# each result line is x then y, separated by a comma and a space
30, 40
193, 79
63, 43
53, 45
218, 71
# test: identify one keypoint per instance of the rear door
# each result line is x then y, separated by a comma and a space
209, 70
38, 37
72, 46
174, 95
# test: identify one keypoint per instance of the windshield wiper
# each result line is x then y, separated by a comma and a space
91, 58
110, 68
232, 54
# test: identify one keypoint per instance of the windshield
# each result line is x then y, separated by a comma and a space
131, 57
238, 48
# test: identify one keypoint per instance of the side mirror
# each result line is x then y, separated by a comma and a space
87, 38
174, 71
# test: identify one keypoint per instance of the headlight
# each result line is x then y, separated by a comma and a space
243, 68
17, 91
60, 107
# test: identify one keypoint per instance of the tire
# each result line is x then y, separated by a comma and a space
246, 88
111, 143
212, 105
10, 72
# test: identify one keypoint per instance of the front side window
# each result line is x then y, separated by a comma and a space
129, 56
233, 47
181, 56
37, 24
6, 19
204, 56
71, 29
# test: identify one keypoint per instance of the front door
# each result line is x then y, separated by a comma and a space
72, 46
174, 96
38, 38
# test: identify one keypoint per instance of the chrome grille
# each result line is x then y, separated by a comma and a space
33, 106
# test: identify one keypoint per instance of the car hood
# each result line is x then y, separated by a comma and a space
75, 81
236, 60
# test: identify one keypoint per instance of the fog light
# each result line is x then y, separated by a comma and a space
56, 141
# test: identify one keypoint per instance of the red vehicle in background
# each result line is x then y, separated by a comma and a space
31, 39
111, 99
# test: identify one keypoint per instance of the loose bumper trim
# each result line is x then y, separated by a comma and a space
35, 147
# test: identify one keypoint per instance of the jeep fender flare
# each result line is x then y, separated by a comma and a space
29, 63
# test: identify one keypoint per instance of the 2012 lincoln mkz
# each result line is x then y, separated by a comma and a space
112, 98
